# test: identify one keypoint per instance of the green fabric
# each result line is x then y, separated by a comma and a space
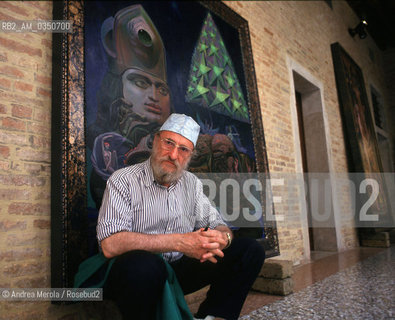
89, 266
172, 306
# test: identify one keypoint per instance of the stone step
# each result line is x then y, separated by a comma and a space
281, 287
378, 240
276, 269
275, 277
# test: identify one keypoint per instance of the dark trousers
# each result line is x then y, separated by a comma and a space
137, 278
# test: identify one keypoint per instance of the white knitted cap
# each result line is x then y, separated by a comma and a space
183, 125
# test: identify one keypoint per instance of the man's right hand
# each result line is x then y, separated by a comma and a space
198, 243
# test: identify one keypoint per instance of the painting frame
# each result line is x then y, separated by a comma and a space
363, 157
348, 73
69, 158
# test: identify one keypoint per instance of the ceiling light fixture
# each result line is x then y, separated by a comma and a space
360, 29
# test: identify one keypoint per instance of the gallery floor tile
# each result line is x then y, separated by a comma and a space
355, 284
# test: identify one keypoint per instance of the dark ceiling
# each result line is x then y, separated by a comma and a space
380, 15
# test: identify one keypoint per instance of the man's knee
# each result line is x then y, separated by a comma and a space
257, 250
140, 269
135, 283
251, 250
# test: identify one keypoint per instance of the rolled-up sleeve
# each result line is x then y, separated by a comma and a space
116, 204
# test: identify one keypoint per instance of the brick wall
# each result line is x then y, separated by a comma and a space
25, 114
302, 31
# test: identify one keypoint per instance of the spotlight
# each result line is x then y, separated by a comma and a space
360, 29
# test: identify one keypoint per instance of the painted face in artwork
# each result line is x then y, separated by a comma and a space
148, 95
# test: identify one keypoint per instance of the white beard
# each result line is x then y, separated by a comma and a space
163, 176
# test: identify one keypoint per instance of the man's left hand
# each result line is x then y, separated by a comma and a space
218, 241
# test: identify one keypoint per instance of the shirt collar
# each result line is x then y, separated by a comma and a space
149, 175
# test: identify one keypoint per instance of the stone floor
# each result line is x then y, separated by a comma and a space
356, 284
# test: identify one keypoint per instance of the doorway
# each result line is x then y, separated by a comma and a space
315, 166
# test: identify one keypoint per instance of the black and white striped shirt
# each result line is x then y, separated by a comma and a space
134, 202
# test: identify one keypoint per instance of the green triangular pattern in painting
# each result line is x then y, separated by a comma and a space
212, 81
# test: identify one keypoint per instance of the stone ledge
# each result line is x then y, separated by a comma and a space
379, 240
275, 278
280, 287
276, 269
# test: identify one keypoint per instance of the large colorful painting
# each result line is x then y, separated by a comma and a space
360, 138
125, 68
358, 123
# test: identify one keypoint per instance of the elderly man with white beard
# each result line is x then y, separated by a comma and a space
156, 211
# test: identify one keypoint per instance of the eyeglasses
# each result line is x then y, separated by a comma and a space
170, 145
